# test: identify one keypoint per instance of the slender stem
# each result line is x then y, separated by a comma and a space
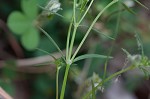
64, 82
87, 33
109, 78
74, 31
74, 11
86, 12
51, 39
115, 36
68, 39
57, 75
72, 40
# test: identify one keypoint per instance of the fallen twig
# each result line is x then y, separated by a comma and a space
4, 95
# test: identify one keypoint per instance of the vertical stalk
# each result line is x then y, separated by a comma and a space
75, 29
115, 36
74, 11
64, 82
57, 75
72, 40
68, 39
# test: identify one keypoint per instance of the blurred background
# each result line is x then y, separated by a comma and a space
27, 73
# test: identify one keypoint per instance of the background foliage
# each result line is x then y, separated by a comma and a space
21, 17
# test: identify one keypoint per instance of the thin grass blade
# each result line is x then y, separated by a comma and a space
139, 43
85, 56
83, 4
127, 53
55, 44
128, 9
114, 13
46, 53
141, 4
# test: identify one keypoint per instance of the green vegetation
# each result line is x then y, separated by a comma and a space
103, 23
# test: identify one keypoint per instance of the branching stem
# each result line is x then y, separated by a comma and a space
90, 28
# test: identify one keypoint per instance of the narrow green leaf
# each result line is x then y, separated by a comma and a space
30, 39
114, 13
141, 4
93, 90
50, 38
46, 53
83, 4
97, 31
18, 22
60, 63
44, 64
128, 9
139, 43
89, 56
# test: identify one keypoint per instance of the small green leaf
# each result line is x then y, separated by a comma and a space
30, 39
127, 53
18, 22
59, 63
89, 56
46, 53
30, 8
141, 4
128, 9
139, 43
83, 4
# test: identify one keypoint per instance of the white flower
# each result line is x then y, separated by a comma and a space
129, 3
96, 80
53, 6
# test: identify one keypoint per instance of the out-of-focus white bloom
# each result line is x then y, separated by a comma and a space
140, 61
129, 3
135, 59
96, 80
53, 6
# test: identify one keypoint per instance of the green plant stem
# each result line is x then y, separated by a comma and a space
51, 39
86, 12
72, 40
74, 11
64, 82
57, 75
109, 78
115, 36
75, 29
88, 31
68, 39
